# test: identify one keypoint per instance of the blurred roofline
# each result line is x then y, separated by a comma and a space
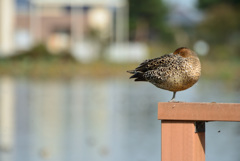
108, 3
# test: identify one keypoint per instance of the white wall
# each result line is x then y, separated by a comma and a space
7, 18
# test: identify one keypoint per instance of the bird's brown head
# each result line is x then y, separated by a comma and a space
184, 52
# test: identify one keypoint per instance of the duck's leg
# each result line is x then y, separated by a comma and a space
173, 98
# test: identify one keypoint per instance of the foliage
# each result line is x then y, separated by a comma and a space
221, 27
39, 52
147, 19
220, 24
206, 4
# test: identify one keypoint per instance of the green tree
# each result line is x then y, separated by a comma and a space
221, 23
221, 27
206, 4
147, 19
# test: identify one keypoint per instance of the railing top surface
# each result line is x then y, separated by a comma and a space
199, 111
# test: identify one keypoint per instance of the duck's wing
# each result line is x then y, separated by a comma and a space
151, 65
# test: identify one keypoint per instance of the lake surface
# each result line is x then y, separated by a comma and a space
112, 119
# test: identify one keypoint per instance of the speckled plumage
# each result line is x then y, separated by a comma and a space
174, 72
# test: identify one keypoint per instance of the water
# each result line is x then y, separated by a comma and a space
100, 120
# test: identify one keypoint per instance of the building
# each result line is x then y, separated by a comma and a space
7, 16
86, 28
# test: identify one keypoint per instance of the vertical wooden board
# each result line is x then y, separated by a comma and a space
199, 146
166, 140
181, 143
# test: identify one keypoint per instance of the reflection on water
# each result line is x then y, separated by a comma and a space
7, 101
99, 120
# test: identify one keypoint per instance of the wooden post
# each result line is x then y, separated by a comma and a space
180, 141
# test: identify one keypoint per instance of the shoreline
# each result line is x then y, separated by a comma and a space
226, 70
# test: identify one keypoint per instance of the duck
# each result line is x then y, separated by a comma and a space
174, 72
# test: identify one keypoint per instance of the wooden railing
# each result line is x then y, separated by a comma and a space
183, 127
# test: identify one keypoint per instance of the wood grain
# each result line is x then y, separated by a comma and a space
199, 111
181, 143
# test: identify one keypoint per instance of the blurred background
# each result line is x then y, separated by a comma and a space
64, 91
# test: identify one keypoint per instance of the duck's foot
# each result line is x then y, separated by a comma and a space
174, 101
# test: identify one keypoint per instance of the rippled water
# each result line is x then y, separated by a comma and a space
100, 120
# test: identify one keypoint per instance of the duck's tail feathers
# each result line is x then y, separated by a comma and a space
139, 76
131, 71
